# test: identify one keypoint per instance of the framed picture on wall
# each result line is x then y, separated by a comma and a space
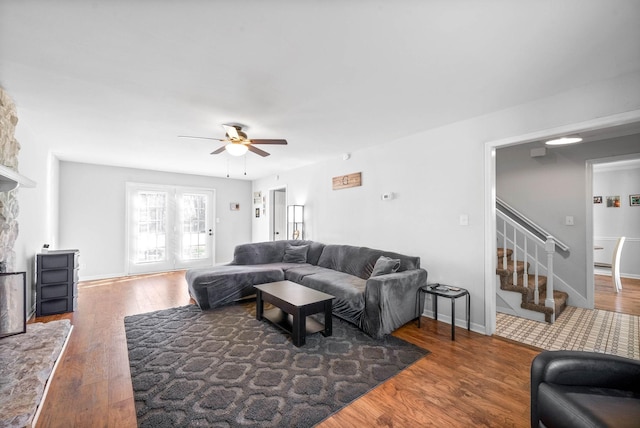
597, 199
634, 200
613, 201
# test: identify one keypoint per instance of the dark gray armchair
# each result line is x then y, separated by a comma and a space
584, 389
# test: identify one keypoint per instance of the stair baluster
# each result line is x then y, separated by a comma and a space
515, 256
536, 291
504, 244
525, 274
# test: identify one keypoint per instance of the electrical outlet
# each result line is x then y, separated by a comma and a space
568, 220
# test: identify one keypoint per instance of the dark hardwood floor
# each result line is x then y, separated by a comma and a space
627, 301
475, 381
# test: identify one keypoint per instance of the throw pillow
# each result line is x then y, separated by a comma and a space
295, 254
385, 265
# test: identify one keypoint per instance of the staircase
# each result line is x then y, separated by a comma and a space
505, 270
526, 254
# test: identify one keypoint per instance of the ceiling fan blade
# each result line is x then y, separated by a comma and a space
254, 141
200, 138
231, 131
257, 151
220, 150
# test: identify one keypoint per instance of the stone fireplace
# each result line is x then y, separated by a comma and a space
9, 148
11, 298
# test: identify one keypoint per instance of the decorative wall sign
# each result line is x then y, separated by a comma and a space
613, 201
634, 200
597, 199
257, 197
346, 181
235, 206
257, 212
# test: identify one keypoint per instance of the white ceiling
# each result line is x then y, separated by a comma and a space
115, 82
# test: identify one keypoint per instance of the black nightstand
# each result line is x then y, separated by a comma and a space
449, 292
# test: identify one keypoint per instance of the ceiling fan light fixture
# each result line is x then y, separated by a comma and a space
236, 149
563, 141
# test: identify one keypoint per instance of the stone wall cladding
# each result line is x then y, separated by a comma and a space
9, 149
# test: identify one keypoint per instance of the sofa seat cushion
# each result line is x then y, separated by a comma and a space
298, 272
588, 406
221, 285
347, 289
286, 266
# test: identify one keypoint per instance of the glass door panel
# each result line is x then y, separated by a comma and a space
196, 228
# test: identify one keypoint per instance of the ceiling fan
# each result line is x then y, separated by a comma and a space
237, 142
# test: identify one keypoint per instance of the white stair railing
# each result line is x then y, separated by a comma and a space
519, 244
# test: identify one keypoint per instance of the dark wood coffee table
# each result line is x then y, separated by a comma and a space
293, 304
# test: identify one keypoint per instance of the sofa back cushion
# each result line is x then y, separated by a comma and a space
258, 253
359, 261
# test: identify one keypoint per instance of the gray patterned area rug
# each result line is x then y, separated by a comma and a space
224, 368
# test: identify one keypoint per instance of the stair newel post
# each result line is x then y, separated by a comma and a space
536, 292
515, 256
550, 248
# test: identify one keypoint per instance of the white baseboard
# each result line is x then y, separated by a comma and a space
607, 272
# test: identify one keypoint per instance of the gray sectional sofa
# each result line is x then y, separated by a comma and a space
375, 290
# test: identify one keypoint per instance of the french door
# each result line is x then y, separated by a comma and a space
169, 228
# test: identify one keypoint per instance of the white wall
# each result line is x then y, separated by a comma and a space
436, 175
611, 223
92, 213
36, 217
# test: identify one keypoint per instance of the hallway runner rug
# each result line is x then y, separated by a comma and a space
577, 329
224, 368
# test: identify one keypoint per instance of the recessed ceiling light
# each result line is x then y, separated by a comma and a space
563, 141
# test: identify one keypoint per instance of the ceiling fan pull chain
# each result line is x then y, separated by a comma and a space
227, 168
245, 164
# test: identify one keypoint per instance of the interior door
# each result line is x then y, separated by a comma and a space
279, 214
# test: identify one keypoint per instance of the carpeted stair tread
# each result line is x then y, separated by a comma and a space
501, 252
560, 299
504, 270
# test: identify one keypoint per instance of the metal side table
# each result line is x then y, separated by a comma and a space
449, 292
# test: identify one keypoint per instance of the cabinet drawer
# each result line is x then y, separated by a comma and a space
53, 276
55, 306
53, 291
52, 261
